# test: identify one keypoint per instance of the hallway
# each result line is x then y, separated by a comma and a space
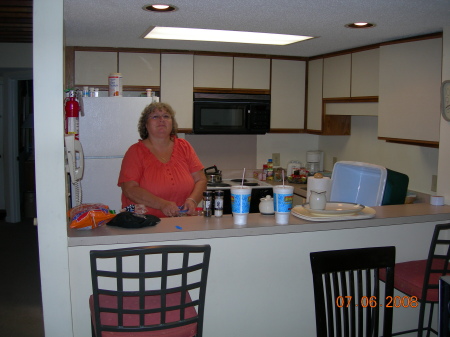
20, 290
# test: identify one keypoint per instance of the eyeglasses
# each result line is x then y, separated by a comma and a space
164, 117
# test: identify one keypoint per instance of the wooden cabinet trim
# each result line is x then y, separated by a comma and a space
424, 143
233, 91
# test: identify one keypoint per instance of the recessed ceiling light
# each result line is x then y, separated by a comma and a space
160, 8
360, 25
195, 34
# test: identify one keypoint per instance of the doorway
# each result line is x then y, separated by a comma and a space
17, 144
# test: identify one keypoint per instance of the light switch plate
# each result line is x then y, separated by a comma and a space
276, 159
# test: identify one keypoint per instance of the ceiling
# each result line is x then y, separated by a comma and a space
118, 23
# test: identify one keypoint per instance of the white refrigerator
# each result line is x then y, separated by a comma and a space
107, 129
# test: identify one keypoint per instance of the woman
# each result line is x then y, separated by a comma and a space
161, 171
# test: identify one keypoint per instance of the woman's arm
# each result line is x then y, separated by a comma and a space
139, 195
197, 193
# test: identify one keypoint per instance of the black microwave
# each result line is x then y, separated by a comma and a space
231, 113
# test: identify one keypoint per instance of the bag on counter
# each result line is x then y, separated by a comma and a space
133, 220
89, 216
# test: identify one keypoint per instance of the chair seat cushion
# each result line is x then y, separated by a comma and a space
409, 277
132, 302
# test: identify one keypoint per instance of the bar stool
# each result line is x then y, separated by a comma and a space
149, 291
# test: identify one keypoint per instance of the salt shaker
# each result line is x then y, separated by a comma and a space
218, 203
207, 203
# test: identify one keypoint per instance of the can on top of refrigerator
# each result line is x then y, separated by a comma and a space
115, 84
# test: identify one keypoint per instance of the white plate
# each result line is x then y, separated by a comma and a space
301, 212
335, 209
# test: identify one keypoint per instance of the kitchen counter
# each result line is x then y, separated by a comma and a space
198, 227
260, 272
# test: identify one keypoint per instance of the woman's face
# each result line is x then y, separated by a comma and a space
159, 124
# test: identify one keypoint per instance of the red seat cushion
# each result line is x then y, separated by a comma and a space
107, 318
409, 278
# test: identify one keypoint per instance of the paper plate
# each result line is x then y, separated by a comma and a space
301, 212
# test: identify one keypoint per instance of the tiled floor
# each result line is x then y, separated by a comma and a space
20, 290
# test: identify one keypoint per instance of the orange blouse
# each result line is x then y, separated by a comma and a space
170, 181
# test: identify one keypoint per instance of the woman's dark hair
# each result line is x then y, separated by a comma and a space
149, 109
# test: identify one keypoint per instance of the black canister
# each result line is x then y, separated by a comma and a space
207, 203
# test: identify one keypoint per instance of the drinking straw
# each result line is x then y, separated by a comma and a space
243, 176
282, 174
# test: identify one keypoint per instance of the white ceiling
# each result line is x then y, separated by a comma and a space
121, 23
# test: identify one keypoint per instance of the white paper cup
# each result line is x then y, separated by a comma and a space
282, 218
282, 202
240, 203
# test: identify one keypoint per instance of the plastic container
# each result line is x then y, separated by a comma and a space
115, 85
294, 165
269, 170
358, 182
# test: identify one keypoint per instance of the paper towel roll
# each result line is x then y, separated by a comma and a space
318, 185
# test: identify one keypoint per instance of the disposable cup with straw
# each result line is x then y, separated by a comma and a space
283, 196
240, 202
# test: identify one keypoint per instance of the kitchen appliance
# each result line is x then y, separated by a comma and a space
367, 184
314, 161
260, 189
107, 129
231, 113
215, 176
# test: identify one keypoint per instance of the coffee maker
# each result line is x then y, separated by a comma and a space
314, 161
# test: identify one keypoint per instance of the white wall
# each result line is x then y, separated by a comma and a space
444, 145
418, 162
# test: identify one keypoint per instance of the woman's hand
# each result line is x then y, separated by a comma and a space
190, 205
170, 208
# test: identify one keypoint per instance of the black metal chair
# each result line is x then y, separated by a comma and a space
347, 291
420, 278
149, 291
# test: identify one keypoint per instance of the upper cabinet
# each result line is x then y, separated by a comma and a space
336, 76
251, 73
365, 73
142, 69
177, 83
93, 68
314, 110
351, 75
213, 71
410, 79
288, 94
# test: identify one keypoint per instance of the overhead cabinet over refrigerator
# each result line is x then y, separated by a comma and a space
107, 129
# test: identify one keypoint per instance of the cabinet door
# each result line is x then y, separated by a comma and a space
251, 73
288, 94
141, 69
177, 83
93, 68
410, 78
314, 111
336, 76
365, 69
213, 71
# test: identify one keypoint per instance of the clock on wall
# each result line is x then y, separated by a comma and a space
445, 100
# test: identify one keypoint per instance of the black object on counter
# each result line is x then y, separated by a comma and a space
133, 220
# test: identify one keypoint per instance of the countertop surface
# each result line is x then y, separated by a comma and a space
199, 227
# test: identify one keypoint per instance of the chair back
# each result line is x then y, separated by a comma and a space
149, 289
347, 291
437, 264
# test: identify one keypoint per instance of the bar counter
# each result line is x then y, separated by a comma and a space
199, 227
260, 280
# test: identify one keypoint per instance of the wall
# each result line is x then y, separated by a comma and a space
444, 146
235, 152
418, 162
16, 55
